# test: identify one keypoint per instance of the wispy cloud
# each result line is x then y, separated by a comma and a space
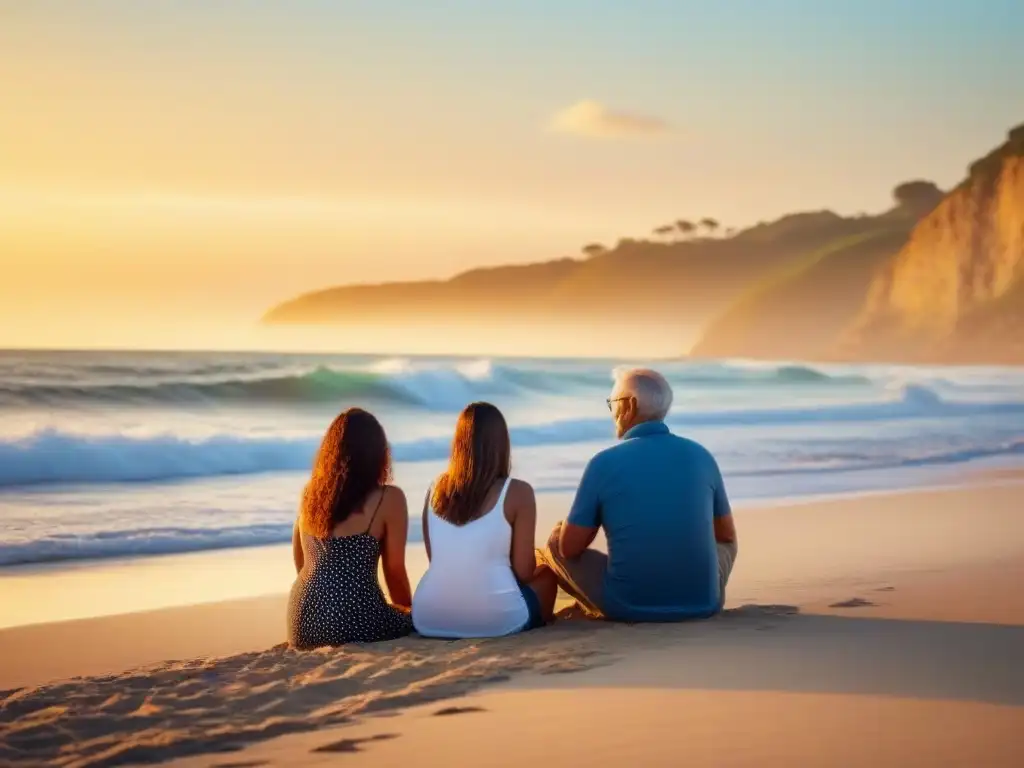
597, 121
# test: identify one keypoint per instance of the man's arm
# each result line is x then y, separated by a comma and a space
725, 526
580, 528
725, 529
574, 539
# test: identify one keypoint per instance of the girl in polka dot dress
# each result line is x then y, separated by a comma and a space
350, 519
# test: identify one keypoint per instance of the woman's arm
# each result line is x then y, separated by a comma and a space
297, 555
396, 530
524, 529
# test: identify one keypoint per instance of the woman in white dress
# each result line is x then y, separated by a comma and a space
479, 527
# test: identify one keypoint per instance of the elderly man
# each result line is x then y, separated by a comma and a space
663, 507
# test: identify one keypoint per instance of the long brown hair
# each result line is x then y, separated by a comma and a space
481, 455
352, 462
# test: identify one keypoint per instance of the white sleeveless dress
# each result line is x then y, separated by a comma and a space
469, 589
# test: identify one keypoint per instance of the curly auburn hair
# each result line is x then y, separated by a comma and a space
352, 462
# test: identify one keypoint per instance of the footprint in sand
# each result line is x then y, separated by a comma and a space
757, 610
457, 711
353, 745
853, 602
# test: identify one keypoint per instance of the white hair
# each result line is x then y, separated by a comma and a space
652, 391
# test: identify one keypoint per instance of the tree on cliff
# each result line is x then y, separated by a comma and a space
917, 195
593, 249
711, 225
686, 228
664, 231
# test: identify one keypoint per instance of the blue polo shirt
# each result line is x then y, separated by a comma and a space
655, 494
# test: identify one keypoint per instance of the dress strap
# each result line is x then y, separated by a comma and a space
383, 490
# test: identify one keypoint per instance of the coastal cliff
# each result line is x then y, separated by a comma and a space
955, 291
940, 278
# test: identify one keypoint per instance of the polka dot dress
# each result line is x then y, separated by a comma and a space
337, 598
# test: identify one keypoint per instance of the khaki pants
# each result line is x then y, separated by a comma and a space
583, 577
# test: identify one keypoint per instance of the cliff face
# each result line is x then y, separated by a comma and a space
938, 279
954, 292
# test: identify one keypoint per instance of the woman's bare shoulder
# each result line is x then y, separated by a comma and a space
394, 496
520, 490
393, 508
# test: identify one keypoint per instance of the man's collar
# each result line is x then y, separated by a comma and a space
646, 429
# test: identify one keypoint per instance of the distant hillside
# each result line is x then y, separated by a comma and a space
955, 291
799, 310
638, 284
940, 277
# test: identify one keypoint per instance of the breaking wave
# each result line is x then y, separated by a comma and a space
55, 456
438, 386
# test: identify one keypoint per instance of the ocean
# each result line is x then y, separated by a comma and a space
115, 454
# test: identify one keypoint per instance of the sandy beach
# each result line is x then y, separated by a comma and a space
884, 628
265, 265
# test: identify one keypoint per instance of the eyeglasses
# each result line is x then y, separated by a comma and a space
611, 400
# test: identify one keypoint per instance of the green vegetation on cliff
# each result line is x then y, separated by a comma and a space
798, 312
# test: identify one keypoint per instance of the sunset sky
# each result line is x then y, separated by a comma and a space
169, 170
